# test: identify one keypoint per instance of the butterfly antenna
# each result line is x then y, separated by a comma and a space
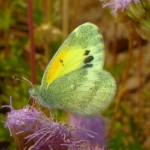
22, 79
27, 81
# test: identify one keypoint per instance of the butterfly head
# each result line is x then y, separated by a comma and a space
35, 92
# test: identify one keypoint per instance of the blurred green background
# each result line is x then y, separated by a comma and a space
127, 58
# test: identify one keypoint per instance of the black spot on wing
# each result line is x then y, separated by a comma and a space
88, 59
62, 62
87, 52
88, 66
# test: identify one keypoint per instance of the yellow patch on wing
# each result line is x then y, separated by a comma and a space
55, 66
65, 61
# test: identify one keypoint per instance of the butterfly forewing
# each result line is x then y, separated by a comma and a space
83, 48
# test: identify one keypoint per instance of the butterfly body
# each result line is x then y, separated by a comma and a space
74, 79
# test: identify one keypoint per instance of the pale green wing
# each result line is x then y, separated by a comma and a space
81, 91
83, 47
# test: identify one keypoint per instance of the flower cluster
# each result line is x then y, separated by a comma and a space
117, 5
31, 129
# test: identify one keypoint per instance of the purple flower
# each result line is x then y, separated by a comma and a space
22, 120
22, 123
117, 5
53, 135
31, 129
91, 128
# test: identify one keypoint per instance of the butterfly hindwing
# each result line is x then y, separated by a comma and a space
81, 92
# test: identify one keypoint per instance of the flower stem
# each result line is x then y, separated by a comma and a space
32, 48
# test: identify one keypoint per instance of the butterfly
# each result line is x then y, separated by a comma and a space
74, 79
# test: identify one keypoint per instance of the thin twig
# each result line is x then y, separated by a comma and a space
32, 48
75, 9
65, 12
140, 66
122, 88
114, 44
